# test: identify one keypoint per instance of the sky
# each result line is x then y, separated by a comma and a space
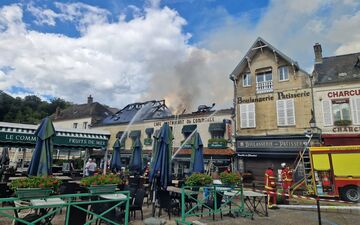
126, 51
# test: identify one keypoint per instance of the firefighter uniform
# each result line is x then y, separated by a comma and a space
270, 187
286, 178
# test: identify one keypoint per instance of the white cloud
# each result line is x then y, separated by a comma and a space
43, 16
148, 56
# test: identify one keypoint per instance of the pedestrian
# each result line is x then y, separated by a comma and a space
286, 178
270, 187
90, 167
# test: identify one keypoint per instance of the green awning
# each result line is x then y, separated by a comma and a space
188, 128
149, 131
120, 134
23, 135
217, 127
135, 134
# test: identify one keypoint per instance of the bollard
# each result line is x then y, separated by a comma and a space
318, 209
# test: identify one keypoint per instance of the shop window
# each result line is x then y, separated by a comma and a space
247, 115
283, 73
285, 112
246, 80
341, 112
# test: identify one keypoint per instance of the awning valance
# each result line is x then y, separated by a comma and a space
217, 127
23, 135
188, 128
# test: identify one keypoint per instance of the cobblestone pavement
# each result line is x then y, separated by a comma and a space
280, 216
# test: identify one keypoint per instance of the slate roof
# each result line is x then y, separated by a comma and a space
341, 68
94, 110
253, 51
142, 110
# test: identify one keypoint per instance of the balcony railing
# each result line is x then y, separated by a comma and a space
264, 87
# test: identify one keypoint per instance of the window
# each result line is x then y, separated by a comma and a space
264, 82
264, 76
285, 112
84, 125
247, 115
283, 73
75, 125
247, 80
341, 112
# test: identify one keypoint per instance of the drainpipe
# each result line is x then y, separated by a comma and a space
234, 115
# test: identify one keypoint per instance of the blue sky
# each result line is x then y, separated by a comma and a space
125, 51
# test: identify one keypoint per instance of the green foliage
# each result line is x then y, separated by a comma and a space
48, 182
217, 140
29, 110
100, 180
198, 179
342, 123
230, 178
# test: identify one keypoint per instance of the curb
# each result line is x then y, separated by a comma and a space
342, 209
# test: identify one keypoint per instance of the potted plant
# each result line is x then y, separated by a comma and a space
198, 179
35, 187
101, 183
230, 179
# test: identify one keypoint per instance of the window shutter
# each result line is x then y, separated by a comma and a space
290, 112
355, 110
251, 115
243, 115
327, 113
280, 108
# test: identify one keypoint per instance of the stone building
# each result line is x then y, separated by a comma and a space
337, 97
273, 102
144, 119
81, 116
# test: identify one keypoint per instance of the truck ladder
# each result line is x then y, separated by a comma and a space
303, 167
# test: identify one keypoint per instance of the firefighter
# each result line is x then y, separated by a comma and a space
270, 187
286, 178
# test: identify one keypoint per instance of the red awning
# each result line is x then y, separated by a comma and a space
341, 139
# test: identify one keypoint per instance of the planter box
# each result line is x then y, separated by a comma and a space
217, 145
102, 189
25, 193
148, 141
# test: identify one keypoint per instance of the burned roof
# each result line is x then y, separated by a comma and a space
341, 68
138, 112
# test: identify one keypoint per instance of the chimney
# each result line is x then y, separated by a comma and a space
90, 100
318, 53
57, 112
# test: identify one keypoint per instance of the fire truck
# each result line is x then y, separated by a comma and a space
335, 171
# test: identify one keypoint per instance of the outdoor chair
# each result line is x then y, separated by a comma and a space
138, 203
165, 202
211, 204
190, 200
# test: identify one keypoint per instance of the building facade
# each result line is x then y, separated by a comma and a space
337, 97
273, 102
214, 127
81, 116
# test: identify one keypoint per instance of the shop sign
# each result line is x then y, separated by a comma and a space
57, 140
270, 144
186, 121
147, 141
280, 95
217, 145
343, 93
346, 129
247, 155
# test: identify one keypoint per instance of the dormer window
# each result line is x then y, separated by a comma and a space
283, 73
246, 80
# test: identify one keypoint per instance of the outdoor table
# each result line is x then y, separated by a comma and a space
231, 194
63, 178
16, 178
254, 199
45, 205
178, 190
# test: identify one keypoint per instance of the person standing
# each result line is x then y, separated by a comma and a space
270, 187
90, 167
286, 178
